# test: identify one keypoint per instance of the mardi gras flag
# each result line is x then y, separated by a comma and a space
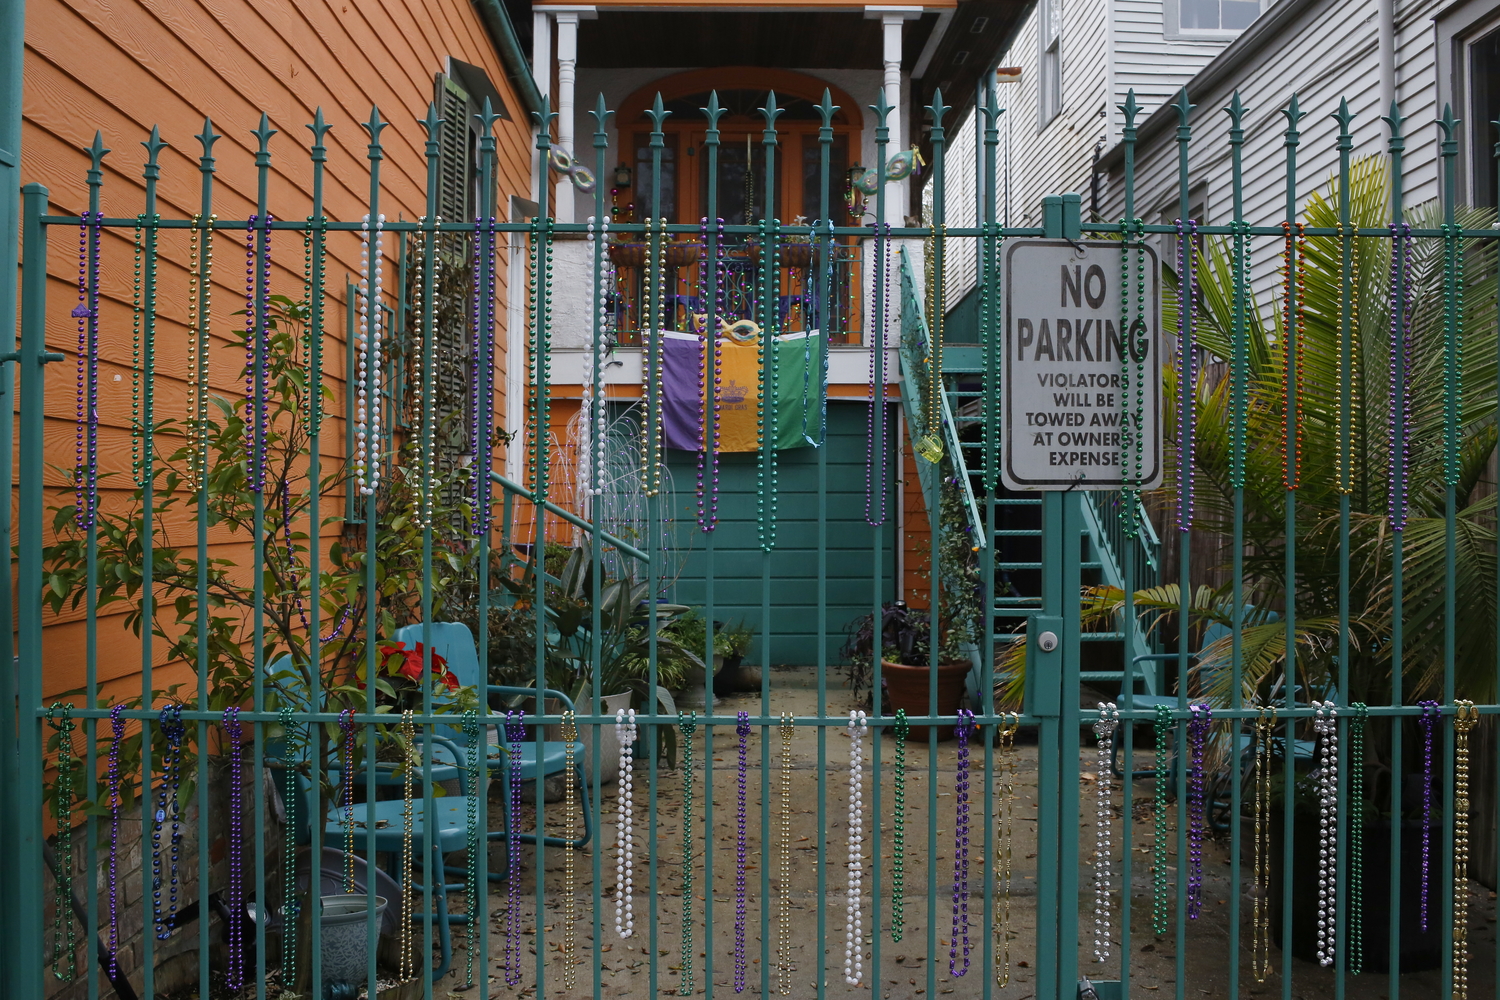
687, 383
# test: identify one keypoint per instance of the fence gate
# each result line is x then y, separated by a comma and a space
296, 639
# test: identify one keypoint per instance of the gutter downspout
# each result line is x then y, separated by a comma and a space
503, 34
1385, 32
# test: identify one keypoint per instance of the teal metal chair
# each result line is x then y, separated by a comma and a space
455, 643
448, 833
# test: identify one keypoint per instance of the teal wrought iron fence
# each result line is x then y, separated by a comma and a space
1340, 456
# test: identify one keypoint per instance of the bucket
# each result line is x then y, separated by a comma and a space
346, 937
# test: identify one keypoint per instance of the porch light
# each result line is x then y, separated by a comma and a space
622, 176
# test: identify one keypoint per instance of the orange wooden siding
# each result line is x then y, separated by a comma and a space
121, 68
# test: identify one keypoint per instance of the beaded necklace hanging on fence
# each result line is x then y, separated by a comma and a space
258, 350
369, 354
1163, 727
410, 763
117, 737
1104, 733
898, 830
515, 733
653, 382
482, 375
625, 733
1132, 405
235, 976
875, 458
142, 353
688, 726
1293, 293
1354, 908
1005, 841
592, 458
1187, 376
784, 901
64, 930
424, 366
291, 899
961, 848
541, 355
711, 398
1430, 720
930, 444
1199, 726
86, 462
742, 731
1399, 417
1260, 915
767, 387
200, 296
167, 807
1326, 725
570, 822
473, 741
1464, 718
1343, 456
346, 759
854, 938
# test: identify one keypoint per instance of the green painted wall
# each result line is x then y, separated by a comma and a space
737, 559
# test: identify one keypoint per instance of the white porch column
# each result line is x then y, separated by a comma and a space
541, 72
567, 76
891, 21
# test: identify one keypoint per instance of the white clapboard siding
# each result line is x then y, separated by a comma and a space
1342, 34
1149, 62
1100, 63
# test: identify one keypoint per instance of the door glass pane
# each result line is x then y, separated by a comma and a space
644, 177
812, 178
742, 196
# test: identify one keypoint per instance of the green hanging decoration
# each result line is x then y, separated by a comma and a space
689, 726
1159, 814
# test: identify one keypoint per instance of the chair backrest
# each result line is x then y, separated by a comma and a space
455, 643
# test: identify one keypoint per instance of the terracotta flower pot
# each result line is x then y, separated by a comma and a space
908, 689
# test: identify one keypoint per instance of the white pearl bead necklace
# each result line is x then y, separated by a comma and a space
1326, 725
854, 943
625, 733
1104, 731
367, 406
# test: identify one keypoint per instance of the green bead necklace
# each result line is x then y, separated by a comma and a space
688, 725
898, 834
1159, 813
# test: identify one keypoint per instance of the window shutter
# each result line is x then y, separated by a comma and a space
455, 161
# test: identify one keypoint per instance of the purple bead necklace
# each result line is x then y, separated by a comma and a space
235, 974
167, 806
875, 465
961, 848
293, 578
346, 761
1431, 714
1399, 439
515, 733
86, 467
1200, 722
742, 730
1187, 370
117, 736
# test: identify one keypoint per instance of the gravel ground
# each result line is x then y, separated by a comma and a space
649, 963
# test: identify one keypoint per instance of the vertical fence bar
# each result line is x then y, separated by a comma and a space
27, 909
1238, 414
1129, 110
1187, 385
708, 286
146, 371
989, 336
1452, 432
203, 319
1398, 436
821, 255
1348, 252
1291, 339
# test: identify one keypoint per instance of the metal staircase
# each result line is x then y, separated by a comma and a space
1015, 544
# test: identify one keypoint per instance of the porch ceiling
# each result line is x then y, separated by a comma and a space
780, 39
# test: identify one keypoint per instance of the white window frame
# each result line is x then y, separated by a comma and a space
1171, 14
1050, 88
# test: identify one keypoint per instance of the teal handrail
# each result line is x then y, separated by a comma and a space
510, 486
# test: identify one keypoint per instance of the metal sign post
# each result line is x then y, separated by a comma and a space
1078, 376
